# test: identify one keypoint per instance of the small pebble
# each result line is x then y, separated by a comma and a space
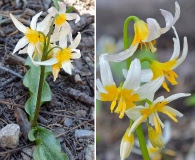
9, 136
89, 152
83, 133
81, 113
68, 122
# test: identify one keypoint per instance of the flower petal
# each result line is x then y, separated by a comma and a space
62, 7
154, 30
76, 54
31, 49
71, 16
48, 62
23, 51
133, 78
52, 11
55, 35
176, 96
146, 75
159, 99
170, 21
100, 86
172, 110
134, 113
76, 41
176, 51
148, 90
44, 25
18, 24
184, 53
122, 55
137, 123
105, 71
98, 97
67, 66
21, 43
33, 23
167, 132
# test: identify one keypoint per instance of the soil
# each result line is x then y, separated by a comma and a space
72, 95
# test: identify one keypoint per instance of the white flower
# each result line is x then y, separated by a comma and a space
62, 58
62, 27
128, 92
147, 33
140, 113
32, 37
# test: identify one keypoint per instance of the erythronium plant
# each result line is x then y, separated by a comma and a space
134, 97
46, 55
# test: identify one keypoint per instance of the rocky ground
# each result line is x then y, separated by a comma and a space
70, 114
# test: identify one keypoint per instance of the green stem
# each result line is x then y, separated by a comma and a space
38, 104
142, 142
126, 36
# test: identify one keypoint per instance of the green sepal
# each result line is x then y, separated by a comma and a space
31, 81
48, 148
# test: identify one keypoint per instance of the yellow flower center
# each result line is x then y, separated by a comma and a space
64, 55
60, 19
124, 97
141, 34
164, 69
32, 36
158, 107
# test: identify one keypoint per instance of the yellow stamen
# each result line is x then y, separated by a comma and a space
124, 97
32, 36
164, 69
60, 19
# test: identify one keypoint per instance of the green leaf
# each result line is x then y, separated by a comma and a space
48, 148
31, 81
190, 101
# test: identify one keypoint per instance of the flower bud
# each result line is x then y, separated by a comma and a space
155, 138
126, 144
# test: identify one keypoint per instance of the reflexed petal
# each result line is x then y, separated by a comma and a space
122, 55
172, 110
133, 78
159, 99
100, 86
76, 41
134, 113
170, 21
184, 53
125, 72
167, 132
18, 24
21, 43
44, 25
154, 30
53, 11
55, 35
98, 97
23, 51
62, 7
148, 90
161, 123
137, 123
146, 75
71, 16
66, 27
176, 96
48, 62
63, 40
76, 54
105, 72
67, 66
31, 49
176, 51
33, 23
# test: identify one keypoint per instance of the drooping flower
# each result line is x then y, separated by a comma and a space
126, 145
147, 33
32, 37
140, 113
166, 69
129, 92
62, 27
63, 58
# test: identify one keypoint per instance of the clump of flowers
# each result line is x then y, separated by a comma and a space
50, 47
135, 96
